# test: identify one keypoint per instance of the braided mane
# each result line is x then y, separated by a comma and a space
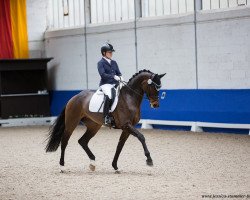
136, 74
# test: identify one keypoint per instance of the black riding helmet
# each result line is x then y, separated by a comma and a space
106, 47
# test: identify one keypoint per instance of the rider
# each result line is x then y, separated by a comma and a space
110, 75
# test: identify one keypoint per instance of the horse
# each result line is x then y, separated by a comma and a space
126, 115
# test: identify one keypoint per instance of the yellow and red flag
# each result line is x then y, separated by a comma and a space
13, 29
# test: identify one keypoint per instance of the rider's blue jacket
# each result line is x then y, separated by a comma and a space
107, 71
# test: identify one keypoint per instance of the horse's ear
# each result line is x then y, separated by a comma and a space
161, 75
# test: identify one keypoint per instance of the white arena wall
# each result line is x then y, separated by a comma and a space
214, 90
37, 25
224, 49
165, 44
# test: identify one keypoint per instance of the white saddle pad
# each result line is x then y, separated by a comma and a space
96, 101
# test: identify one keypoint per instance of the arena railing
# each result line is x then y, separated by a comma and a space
145, 123
195, 126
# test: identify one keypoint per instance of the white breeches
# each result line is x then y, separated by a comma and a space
106, 88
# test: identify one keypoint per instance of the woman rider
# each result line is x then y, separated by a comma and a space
110, 75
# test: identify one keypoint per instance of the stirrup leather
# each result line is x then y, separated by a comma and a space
107, 120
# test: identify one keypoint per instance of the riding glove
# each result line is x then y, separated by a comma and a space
121, 78
117, 78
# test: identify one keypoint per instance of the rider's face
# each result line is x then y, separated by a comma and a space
108, 54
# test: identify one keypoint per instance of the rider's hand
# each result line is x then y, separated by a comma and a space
121, 78
117, 78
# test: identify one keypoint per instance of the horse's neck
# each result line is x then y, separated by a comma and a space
135, 91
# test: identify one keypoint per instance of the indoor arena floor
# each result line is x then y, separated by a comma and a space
186, 166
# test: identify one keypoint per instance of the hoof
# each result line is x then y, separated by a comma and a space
62, 169
150, 163
92, 165
118, 171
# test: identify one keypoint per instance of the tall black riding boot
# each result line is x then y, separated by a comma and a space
106, 107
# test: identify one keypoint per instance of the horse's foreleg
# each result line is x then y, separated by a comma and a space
124, 136
133, 131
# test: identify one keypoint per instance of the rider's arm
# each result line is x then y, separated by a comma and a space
102, 72
117, 71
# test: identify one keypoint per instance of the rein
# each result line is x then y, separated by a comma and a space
125, 84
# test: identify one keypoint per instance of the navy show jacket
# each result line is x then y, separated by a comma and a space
107, 71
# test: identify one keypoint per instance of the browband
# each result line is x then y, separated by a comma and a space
150, 81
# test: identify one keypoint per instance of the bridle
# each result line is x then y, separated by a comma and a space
149, 81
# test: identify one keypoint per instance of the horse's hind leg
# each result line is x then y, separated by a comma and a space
92, 129
72, 119
64, 143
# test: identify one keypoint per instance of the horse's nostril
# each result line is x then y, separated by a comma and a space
155, 105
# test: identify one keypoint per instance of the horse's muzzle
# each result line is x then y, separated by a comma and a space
154, 104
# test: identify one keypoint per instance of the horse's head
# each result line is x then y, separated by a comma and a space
151, 86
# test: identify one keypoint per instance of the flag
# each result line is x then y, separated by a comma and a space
13, 29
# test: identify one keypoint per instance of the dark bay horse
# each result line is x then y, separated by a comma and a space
126, 116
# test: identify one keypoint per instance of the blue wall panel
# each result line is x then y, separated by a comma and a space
58, 99
222, 106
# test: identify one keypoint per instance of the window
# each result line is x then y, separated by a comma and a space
65, 13
70, 13
217, 4
111, 10
166, 7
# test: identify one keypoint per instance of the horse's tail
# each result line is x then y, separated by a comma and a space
56, 133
